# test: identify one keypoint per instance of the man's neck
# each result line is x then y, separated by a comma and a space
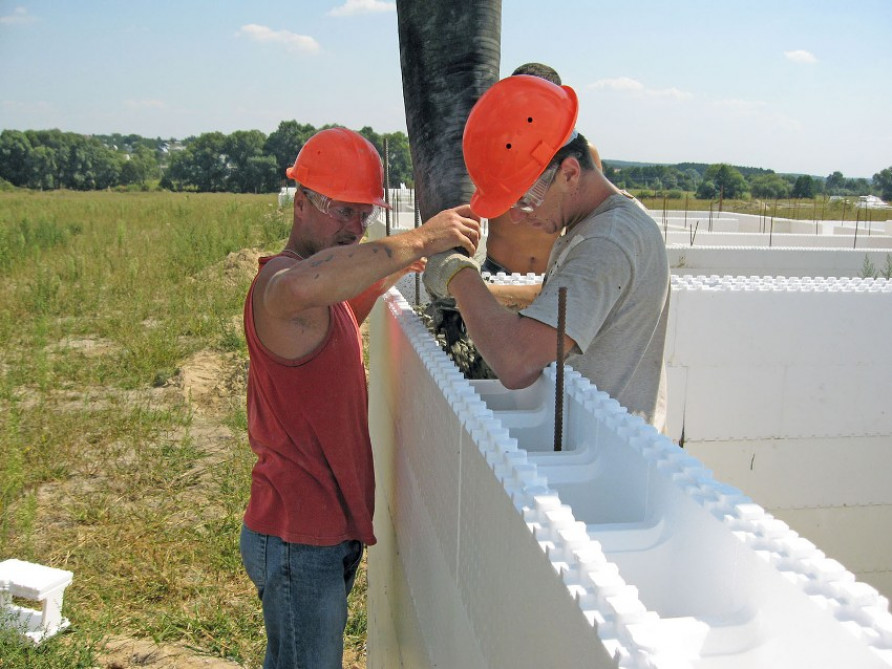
594, 189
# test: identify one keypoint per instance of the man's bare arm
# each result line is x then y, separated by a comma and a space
514, 297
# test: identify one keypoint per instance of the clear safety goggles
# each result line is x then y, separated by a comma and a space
341, 212
535, 196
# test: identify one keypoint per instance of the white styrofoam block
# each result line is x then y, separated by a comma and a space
680, 237
729, 402
836, 399
42, 585
755, 261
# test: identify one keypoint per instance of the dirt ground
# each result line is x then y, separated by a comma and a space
127, 653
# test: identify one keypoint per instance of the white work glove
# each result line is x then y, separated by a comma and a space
442, 267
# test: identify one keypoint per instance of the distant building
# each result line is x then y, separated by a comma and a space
872, 202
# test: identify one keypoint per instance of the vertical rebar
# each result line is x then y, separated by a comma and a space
857, 219
559, 370
417, 217
386, 188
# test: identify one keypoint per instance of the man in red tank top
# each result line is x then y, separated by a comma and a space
312, 489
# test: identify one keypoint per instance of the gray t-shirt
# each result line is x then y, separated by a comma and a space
615, 268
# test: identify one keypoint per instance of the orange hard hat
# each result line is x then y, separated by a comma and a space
341, 164
512, 133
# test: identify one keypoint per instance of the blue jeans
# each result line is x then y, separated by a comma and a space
303, 590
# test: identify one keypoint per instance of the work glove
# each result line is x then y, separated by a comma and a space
442, 267
446, 321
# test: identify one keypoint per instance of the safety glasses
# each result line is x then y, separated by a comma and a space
341, 212
535, 196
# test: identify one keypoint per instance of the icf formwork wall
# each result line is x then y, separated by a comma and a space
781, 386
620, 550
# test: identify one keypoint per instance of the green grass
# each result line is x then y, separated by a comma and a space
105, 468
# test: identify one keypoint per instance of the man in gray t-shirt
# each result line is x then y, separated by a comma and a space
613, 264
525, 158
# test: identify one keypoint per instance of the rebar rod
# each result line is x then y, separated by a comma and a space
559, 370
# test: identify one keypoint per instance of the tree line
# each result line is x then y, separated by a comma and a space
249, 161
708, 182
245, 161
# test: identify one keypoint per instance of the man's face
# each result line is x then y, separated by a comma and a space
335, 223
539, 208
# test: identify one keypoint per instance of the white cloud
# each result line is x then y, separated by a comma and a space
354, 7
19, 15
801, 56
674, 93
629, 85
618, 84
290, 40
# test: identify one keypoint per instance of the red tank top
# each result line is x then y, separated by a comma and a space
313, 482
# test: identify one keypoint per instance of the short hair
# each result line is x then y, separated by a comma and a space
539, 70
578, 147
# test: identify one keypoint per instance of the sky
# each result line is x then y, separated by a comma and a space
796, 86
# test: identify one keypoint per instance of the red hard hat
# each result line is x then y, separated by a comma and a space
341, 164
511, 135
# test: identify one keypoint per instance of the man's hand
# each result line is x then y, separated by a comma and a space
442, 267
455, 228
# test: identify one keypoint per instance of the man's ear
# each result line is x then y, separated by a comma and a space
569, 171
300, 201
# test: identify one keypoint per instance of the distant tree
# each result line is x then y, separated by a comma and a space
834, 184
14, 150
728, 181
769, 186
400, 159
285, 142
670, 178
378, 141
242, 149
262, 174
140, 166
177, 176
882, 181
90, 165
858, 186
208, 170
42, 168
707, 190
201, 165
804, 187
692, 179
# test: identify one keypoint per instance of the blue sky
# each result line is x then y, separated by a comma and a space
790, 85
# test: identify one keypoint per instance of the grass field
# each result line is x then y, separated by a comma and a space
123, 454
